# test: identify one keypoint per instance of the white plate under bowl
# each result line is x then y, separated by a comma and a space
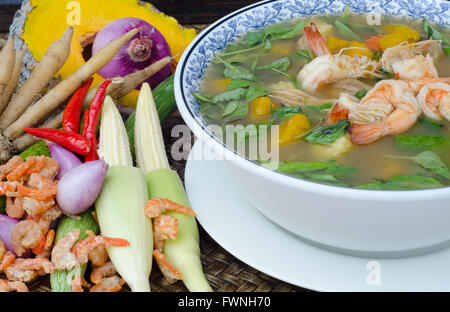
244, 232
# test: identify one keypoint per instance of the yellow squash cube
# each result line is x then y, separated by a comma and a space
293, 127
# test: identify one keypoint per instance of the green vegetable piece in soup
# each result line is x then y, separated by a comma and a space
436, 35
422, 141
328, 134
429, 161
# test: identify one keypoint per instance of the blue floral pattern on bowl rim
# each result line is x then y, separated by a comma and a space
263, 14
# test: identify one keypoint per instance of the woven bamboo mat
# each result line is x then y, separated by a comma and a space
224, 272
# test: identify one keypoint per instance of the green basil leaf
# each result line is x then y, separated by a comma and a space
238, 72
328, 134
429, 161
340, 170
422, 141
436, 35
305, 54
294, 32
403, 182
240, 111
363, 27
239, 83
235, 94
430, 124
325, 178
281, 64
345, 31
254, 38
230, 108
286, 111
202, 98
412, 182
361, 93
291, 167
256, 91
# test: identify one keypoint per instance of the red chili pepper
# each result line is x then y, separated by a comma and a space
72, 141
91, 122
71, 115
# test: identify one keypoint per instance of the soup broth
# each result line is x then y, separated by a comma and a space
257, 74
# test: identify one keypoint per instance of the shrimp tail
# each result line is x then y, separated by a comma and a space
368, 133
316, 41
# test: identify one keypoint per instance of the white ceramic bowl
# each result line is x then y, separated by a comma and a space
382, 223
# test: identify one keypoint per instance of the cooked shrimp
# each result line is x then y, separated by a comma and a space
434, 99
416, 85
8, 259
77, 284
109, 284
45, 219
327, 68
7, 187
14, 207
165, 227
20, 170
289, 95
97, 256
83, 247
7, 286
170, 273
157, 206
25, 234
62, 257
316, 41
15, 274
9, 166
337, 113
405, 110
34, 206
50, 169
42, 194
102, 272
39, 164
46, 250
408, 62
35, 265
38, 249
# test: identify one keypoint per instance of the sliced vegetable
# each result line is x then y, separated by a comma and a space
262, 106
235, 94
65, 158
358, 48
72, 141
120, 205
285, 111
61, 281
374, 43
141, 51
397, 34
328, 134
79, 188
292, 127
162, 182
335, 44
